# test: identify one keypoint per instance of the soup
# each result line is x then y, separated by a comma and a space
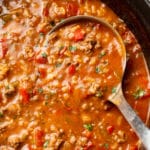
54, 88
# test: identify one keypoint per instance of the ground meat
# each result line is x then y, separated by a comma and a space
4, 126
10, 89
82, 141
57, 11
66, 146
28, 52
85, 46
3, 70
1, 9
93, 88
15, 139
54, 141
120, 137
3, 147
12, 108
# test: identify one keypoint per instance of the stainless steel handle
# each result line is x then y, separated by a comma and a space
136, 123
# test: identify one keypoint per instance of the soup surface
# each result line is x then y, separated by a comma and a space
54, 88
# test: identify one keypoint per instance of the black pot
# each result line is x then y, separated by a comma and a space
136, 14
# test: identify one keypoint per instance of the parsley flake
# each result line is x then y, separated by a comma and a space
57, 65
97, 69
103, 53
40, 90
89, 127
44, 55
114, 89
139, 93
72, 48
99, 94
1, 115
106, 145
45, 145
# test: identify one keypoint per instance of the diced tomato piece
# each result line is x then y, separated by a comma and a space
78, 35
4, 47
42, 72
88, 145
46, 12
25, 95
110, 129
72, 69
72, 9
70, 87
41, 60
39, 136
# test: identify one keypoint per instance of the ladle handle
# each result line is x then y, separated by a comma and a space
136, 123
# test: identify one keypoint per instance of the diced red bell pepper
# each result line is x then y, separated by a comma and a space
72, 9
72, 69
41, 60
70, 87
39, 136
42, 72
25, 96
4, 47
88, 145
46, 12
110, 129
78, 35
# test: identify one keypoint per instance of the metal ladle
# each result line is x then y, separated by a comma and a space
117, 98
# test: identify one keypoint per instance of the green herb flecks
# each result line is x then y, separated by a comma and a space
89, 127
1, 114
106, 145
57, 65
41, 34
114, 90
61, 47
40, 90
44, 55
47, 97
46, 103
99, 94
7, 87
45, 145
139, 93
72, 48
97, 69
103, 53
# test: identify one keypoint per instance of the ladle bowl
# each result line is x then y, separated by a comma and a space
116, 98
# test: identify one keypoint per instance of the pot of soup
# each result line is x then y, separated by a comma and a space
54, 87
